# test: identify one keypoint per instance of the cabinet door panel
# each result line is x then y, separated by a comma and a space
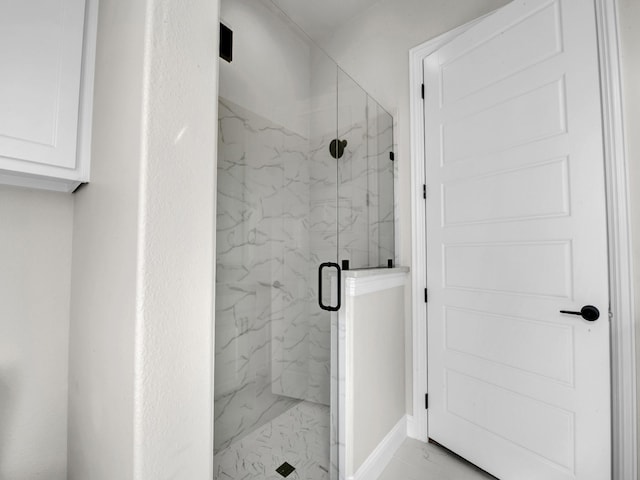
41, 61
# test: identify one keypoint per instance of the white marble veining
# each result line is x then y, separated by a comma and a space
299, 436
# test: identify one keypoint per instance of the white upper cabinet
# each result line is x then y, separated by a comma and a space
47, 50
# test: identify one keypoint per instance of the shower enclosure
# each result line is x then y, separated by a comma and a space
305, 177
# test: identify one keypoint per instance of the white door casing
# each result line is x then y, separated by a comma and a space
516, 222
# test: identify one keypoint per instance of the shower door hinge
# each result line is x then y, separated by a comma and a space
426, 296
424, 191
422, 91
426, 401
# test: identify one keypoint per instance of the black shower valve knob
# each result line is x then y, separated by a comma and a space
336, 148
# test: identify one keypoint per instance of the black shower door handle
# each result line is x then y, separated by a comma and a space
322, 305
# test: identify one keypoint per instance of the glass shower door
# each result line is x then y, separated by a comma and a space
276, 223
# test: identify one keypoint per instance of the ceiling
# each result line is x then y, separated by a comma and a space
320, 18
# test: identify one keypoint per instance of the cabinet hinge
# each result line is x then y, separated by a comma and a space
81, 185
422, 91
424, 192
426, 296
426, 401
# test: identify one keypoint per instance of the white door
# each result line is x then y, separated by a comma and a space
516, 232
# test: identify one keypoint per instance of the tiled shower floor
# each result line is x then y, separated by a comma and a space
300, 436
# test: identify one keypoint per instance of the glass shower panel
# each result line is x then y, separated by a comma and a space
352, 173
365, 178
381, 186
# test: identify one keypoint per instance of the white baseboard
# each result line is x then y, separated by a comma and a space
413, 430
374, 465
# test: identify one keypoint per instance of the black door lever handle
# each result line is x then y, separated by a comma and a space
588, 312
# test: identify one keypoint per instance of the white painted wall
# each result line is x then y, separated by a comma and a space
271, 70
35, 259
373, 48
176, 244
629, 18
378, 356
141, 338
105, 236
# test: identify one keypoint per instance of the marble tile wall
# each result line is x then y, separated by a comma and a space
262, 292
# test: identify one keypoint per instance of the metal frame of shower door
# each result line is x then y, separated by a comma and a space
623, 348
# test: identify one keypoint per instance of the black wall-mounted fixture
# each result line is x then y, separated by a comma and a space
336, 147
226, 43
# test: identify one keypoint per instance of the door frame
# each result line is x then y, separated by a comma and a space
623, 349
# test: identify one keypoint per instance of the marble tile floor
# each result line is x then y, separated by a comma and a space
300, 436
415, 460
